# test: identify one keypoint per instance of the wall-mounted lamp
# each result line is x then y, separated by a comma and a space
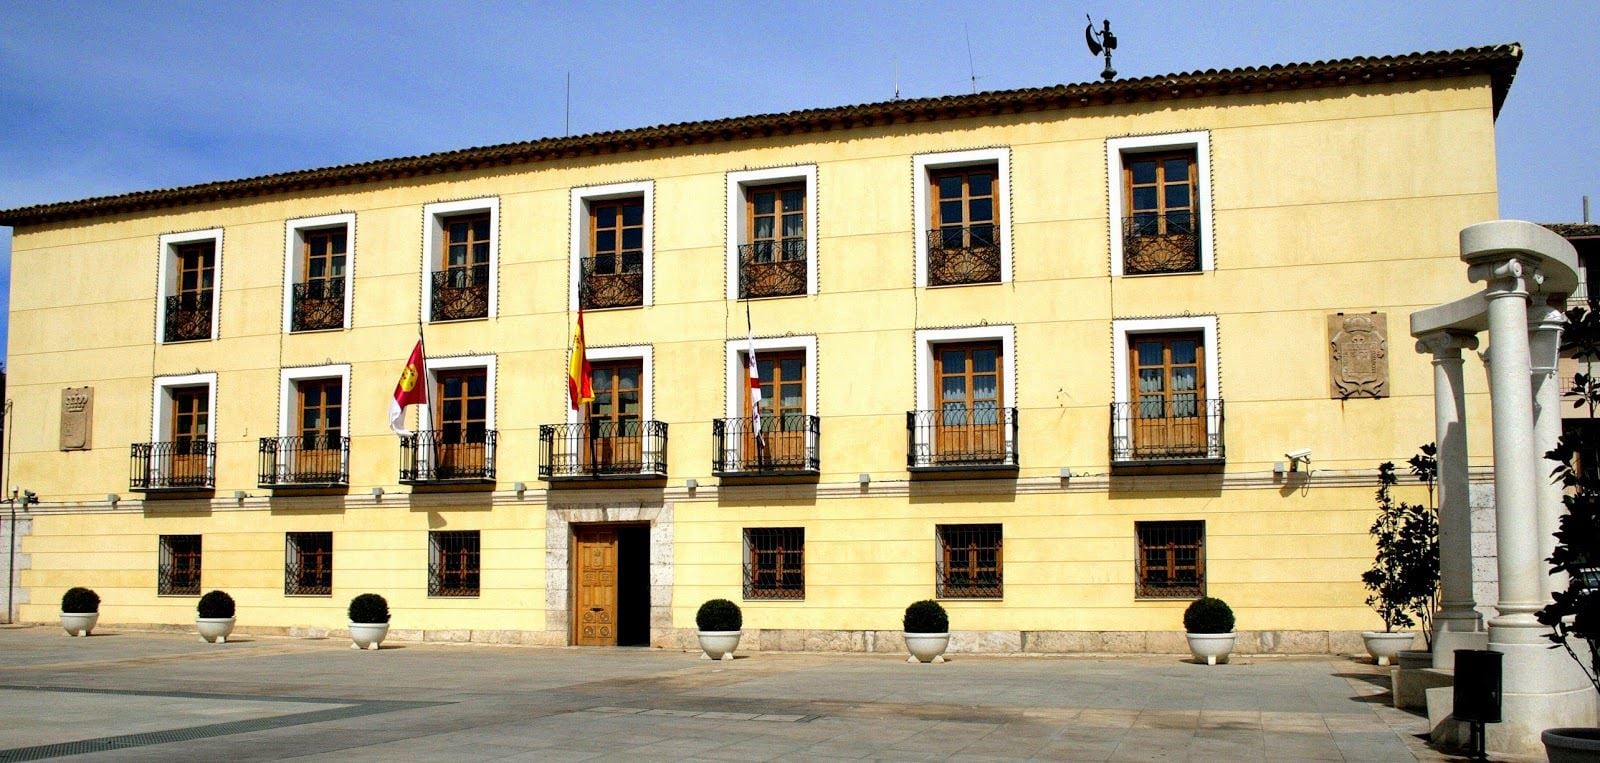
864, 478
238, 495
113, 498
1277, 468
691, 484
1066, 473
377, 494
521, 488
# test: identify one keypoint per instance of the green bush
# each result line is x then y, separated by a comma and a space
216, 604
80, 601
369, 608
926, 616
719, 615
1208, 615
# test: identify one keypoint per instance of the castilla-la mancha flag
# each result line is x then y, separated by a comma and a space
411, 390
580, 384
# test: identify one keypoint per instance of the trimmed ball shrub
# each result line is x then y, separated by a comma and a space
369, 608
1208, 615
926, 616
80, 601
216, 604
719, 615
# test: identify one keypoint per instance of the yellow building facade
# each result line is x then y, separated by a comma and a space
1040, 354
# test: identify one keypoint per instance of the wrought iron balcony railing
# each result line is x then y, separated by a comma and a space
611, 280
312, 460
963, 255
1169, 430
433, 457
317, 305
1160, 243
958, 437
461, 293
772, 268
603, 449
172, 466
787, 445
188, 317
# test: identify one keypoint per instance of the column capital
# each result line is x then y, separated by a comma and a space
1446, 343
1508, 276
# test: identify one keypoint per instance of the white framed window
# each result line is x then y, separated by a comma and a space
461, 259
289, 381
318, 272
313, 427
961, 208
1166, 389
786, 367
1159, 193
644, 356
613, 245
189, 277
440, 368
169, 405
772, 232
965, 398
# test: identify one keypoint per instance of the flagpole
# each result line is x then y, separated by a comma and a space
427, 384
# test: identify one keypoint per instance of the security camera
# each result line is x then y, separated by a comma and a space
1303, 454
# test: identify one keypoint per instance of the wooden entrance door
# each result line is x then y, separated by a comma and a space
595, 602
1169, 391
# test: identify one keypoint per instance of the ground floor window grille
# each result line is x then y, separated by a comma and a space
774, 566
308, 564
178, 573
1172, 559
453, 563
969, 562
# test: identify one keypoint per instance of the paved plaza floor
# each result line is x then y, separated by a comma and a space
122, 695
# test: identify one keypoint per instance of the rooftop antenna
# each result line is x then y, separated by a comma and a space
569, 104
972, 73
1586, 208
897, 79
1106, 42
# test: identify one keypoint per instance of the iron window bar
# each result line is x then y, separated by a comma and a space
448, 456
964, 254
788, 445
304, 460
1157, 242
961, 437
603, 449
172, 466
969, 563
308, 564
1171, 560
178, 569
317, 304
772, 268
1173, 429
461, 292
188, 317
612, 280
774, 563
453, 557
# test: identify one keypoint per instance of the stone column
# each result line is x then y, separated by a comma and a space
1458, 625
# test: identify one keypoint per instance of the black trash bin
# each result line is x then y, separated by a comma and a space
1477, 686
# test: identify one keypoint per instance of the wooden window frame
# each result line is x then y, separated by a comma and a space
947, 537
619, 251
965, 172
295, 564
779, 211
582, 200
1121, 149
925, 167
456, 554
775, 545
1161, 184
436, 251
1143, 587
180, 566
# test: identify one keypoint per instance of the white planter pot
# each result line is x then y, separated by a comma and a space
214, 630
927, 647
718, 645
367, 635
1571, 745
79, 623
1211, 647
1386, 647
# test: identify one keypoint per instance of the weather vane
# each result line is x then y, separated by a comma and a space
1107, 42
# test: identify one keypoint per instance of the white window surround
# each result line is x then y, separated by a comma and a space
928, 339
288, 385
168, 280
1117, 148
435, 365
739, 378
161, 403
580, 232
294, 263
433, 246
646, 381
922, 211
739, 184
1122, 329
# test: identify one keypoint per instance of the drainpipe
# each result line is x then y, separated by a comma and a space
11, 558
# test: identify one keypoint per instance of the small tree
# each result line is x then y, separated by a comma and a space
1404, 578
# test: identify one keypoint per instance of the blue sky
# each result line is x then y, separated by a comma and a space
101, 98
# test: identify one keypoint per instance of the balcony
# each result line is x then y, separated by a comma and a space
173, 467
772, 269
447, 457
964, 255
787, 446
1155, 243
603, 450
461, 293
959, 438
1163, 432
306, 461
188, 317
611, 280
317, 305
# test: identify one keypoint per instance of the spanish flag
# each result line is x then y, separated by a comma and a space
411, 390
580, 387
